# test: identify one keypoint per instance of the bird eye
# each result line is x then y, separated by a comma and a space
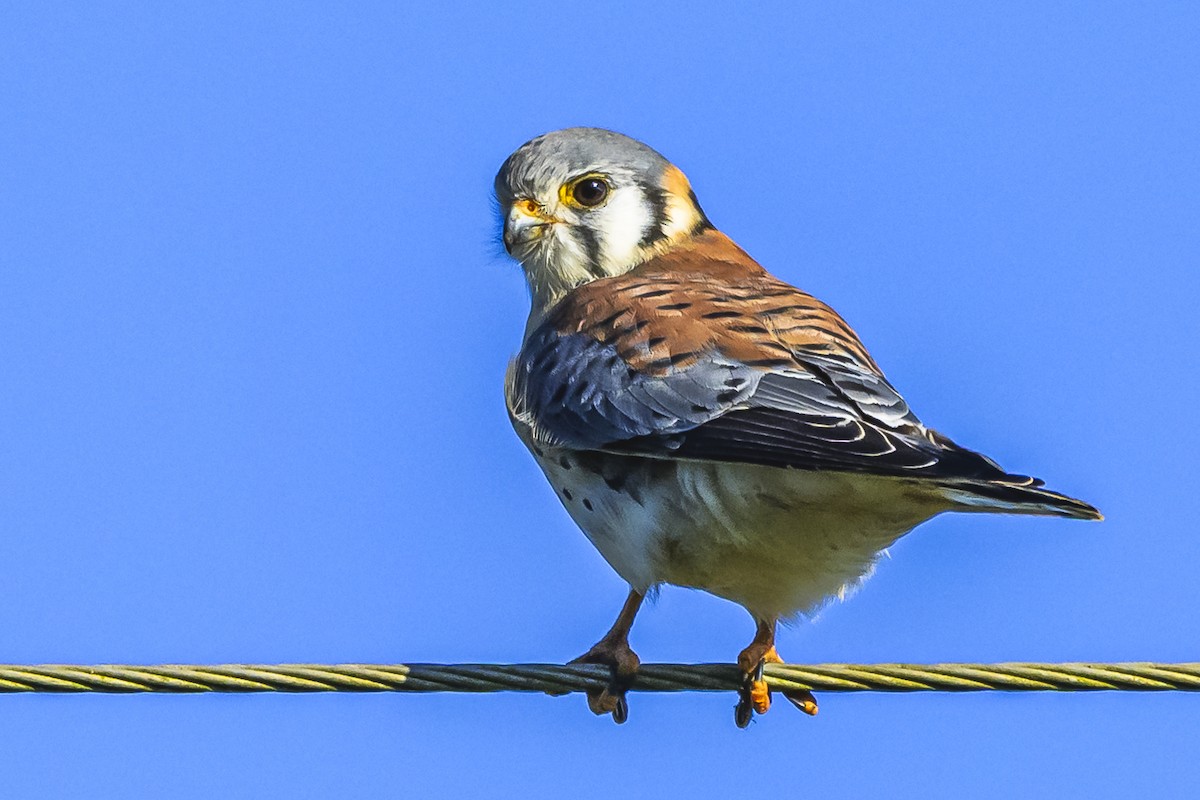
590, 192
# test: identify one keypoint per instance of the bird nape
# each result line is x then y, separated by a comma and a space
704, 423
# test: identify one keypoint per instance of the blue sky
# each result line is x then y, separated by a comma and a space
254, 324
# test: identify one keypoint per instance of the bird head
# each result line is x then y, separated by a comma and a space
582, 204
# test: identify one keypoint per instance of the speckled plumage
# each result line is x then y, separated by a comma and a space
738, 414
704, 423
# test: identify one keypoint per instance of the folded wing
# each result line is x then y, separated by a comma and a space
709, 365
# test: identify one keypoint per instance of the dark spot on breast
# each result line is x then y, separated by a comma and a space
674, 306
721, 314
656, 341
537, 451
587, 504
652, 294
757, 329
726, 397
564, 462
567, 493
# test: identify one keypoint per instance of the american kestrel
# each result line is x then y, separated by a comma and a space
706, 424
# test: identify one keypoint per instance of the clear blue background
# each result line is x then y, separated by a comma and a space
254, 323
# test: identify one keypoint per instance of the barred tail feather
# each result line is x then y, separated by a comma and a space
1015, 498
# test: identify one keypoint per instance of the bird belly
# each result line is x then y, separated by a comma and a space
784, 542
779, 542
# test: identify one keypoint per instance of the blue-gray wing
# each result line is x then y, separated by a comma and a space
768, 401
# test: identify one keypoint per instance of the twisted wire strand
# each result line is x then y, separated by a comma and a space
557, 678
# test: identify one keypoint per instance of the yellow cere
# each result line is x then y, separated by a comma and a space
529, 207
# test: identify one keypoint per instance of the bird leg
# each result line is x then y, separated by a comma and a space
613, 651
755, 697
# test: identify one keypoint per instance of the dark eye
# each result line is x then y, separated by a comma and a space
590, 192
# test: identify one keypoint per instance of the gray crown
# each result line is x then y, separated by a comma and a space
554, 157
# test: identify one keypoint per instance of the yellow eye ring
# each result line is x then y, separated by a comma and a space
586, 191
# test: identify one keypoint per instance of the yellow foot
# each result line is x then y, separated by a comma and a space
803, 700
755, 696
624, 663
760, 697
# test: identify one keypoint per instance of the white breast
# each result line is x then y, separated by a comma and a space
779, 542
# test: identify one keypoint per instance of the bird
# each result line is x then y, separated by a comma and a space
704, 423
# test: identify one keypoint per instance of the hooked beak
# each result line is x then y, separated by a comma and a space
526, 221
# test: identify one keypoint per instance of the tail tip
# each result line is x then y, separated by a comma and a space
1021, 499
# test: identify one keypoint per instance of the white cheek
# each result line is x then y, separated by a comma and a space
566, 256
621, 225
555, 265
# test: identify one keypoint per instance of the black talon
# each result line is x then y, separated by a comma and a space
621, 712
743, 712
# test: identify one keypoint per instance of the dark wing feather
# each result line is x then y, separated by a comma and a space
790, 422
579, 392
722, 362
